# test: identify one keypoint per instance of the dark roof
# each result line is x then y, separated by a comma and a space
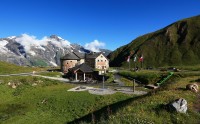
77, 56
83, 67
92, 55
70, 56
80, 55
95, 55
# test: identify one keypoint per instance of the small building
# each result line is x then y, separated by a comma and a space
70, 60
82, 72
95, 61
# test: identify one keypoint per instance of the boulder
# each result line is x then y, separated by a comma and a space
193, 87
179, 105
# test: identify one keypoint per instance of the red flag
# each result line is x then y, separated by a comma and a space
141, 59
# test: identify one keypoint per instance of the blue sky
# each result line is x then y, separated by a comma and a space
113, 22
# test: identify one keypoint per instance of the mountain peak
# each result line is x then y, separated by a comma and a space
56, 37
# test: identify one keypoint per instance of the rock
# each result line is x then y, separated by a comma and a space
9, 83
14, 86
34, 84
193, 87
179, 105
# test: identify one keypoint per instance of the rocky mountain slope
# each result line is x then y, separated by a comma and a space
176, 44
27, 50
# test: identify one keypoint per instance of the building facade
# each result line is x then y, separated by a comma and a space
97, 61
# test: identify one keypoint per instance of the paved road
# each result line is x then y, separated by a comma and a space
117, 79
22, 74
36, 74
53, 78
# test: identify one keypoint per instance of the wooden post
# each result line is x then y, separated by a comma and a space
133, 85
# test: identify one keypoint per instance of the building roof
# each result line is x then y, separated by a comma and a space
92, 55
83, 67
70, 56
80, 55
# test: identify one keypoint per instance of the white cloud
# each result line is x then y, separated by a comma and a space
94, 46
27, 41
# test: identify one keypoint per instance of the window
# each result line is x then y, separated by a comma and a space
70, 61
67, 62
101, 56
105, 60
101, 60
97, 60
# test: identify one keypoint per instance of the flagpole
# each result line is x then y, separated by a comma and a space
135, 66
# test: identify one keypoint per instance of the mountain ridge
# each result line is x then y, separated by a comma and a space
175, 44
28, 51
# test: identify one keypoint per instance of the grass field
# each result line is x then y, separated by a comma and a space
38, 100
7, 68
47, 102
151, 108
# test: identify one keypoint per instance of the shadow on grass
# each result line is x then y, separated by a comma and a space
105, 112
11, 110
181, 89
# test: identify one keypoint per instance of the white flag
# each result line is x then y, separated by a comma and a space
128, 59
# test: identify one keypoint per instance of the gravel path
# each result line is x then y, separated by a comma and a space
106, 91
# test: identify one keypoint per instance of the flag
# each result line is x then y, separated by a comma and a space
135, 58
128, 59
141, 59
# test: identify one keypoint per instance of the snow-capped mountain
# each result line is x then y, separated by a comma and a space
27, 50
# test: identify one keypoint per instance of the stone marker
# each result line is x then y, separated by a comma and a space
179, 105
193, 87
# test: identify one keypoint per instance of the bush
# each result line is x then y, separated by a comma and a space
144, 78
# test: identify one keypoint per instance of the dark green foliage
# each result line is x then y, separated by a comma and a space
144, 78
38, 62
176, 44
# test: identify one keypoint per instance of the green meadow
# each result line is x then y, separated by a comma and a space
38, 100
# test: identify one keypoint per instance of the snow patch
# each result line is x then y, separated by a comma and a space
28, 41
3, 49
3, 43
53, 63
11, 37
32, 53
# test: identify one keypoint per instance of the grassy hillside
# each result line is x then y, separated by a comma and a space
151, 108
7, 68
176, 44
